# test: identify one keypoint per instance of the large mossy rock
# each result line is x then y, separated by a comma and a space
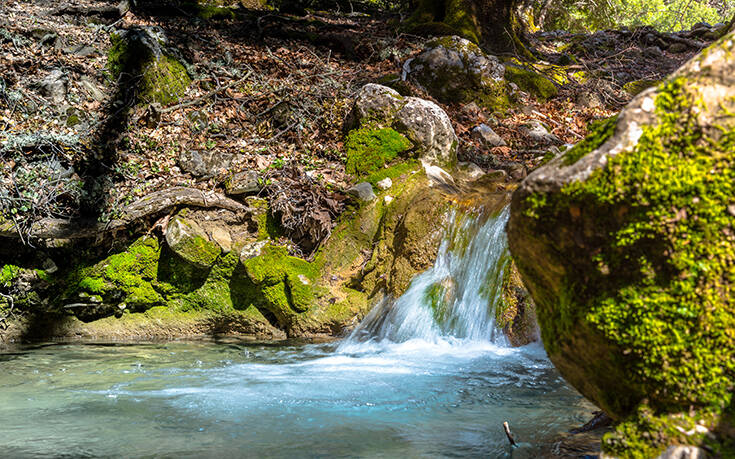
383, 124
455, 70
627, 245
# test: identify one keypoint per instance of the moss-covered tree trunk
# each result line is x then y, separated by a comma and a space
492, 23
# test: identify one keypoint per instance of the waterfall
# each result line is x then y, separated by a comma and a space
456, 299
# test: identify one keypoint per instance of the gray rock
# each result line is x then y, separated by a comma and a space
469, 171
362, 191
449, 66
653, 52
384, 184
251, 250
538, 134
421, 121
54, 86
517, 171
677, 48
374, 101
204, 164
487, 136
81, 50
91, 88
190, 242
242, 183
429, 128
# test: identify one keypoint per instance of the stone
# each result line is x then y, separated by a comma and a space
205, 163
469, 171
54, 86
374, 102
677, 48
222, 237
91, 88
653, 52
362, 192
81, 50
190, 242
251, 250
243, 183
487, 137
683, 452
424, 123
429, 128
453, 69
384, 184
539, 134
517, 171
388, 199
626, 246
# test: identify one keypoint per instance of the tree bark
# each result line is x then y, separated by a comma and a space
494, 24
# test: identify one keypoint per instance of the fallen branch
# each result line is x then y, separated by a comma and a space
203, 97
149, 206
508, 434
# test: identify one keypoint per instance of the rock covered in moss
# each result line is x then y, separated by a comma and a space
424, 123
190, 242
368, 149
454, 69
362, 192
139, 51
629, 253
516, 314
530, 81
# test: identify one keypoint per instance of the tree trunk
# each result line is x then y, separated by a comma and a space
494, 24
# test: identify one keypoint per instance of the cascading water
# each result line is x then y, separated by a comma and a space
427, 375
455, 300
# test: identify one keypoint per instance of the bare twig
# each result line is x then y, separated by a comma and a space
506, 427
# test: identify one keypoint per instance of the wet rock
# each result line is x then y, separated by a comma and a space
487, 136
539, 134
517, 171
469, 171
54, 86
384, 184
362, 192
243, 183
190, 242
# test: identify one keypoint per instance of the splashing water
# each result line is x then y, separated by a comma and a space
455, 300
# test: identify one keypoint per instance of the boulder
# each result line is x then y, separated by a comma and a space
243, 183
190, 242
377, 110
627, 245
453, 69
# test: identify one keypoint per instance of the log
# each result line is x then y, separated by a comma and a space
151, 205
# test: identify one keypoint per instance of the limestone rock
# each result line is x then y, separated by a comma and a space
243, 183
362, 192
454, 69
626, 245
54, 86
487, 136
204, 163
384, 184
538, 134
469, 171
423, 122
190, 242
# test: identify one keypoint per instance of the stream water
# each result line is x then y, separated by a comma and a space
412, 381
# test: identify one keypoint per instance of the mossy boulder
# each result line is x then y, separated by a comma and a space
636, 87
455, 70
378, 111
629, 254
531, 82
516, 313
140, 52
190, 242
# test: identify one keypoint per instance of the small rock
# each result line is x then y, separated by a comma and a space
49, 266
242, 183
388, 199
653, 52
222, 237
538, 134
487, 136
191, 161
80, 50
362, 191
439, 176
384, 184
589, 99
54, 86
251, 250
91, 88
517, 171
190, 242
683, 452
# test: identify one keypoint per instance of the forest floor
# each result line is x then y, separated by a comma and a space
269, 91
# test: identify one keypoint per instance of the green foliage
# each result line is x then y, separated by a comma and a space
369, 149
8, 273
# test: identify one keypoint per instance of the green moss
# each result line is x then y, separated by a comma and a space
393, 172
212, 12
598, 133
658, 299
636, 87
164, 79
531, 82
369, 149
8, 273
